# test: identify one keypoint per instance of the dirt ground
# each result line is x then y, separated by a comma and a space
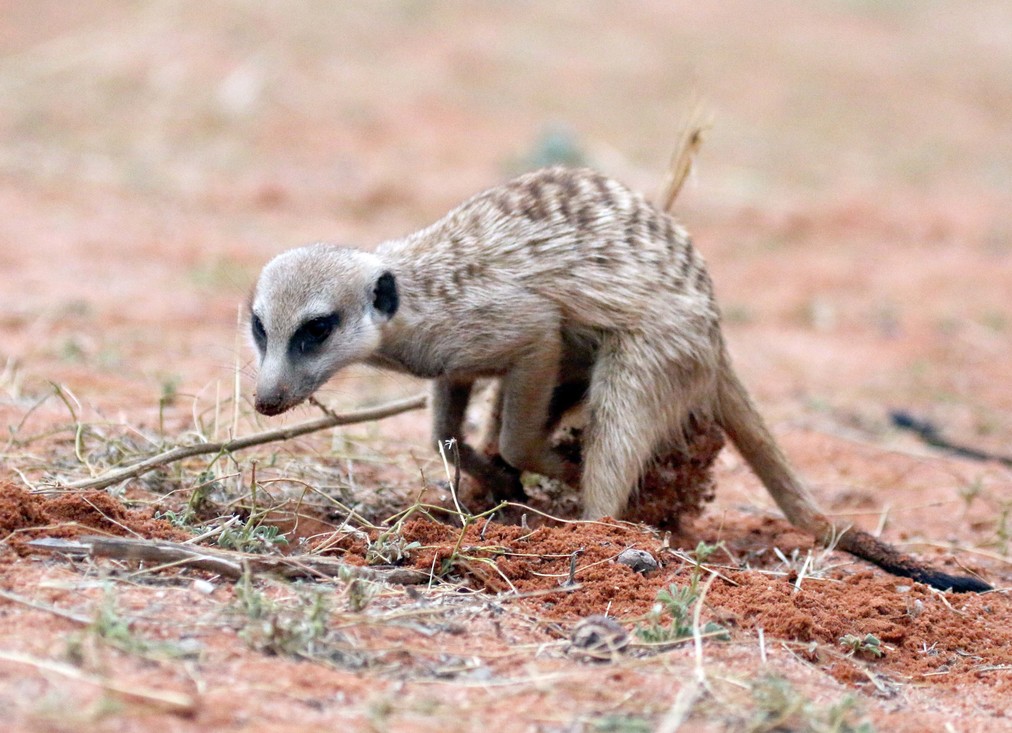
851, 198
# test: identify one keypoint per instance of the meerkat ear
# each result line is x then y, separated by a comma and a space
385, 298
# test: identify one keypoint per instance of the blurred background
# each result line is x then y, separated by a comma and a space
852, 195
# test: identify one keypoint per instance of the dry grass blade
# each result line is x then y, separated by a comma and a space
697, 634
229, 564
174, 702
679, 712
69, 615
268, 436
696, 124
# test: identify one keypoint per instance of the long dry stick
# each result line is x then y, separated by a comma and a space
230, 446
227, 563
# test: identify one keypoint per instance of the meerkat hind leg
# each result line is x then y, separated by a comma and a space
571, 389
566, 396
631, 418
527, 390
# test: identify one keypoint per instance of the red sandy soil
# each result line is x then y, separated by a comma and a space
948, 645
24, 517
851, 199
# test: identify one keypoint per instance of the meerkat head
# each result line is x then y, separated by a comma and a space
314, 310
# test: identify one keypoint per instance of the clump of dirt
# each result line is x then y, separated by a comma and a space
498, 557
25, 516
676, 486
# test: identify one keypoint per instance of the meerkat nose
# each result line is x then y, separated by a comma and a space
272, 402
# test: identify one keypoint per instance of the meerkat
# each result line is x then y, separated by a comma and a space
567, 287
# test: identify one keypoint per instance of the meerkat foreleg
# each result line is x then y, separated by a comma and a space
493, 422
450, 398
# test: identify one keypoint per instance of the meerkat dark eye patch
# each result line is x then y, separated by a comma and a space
385, 298
259, 332
309, 337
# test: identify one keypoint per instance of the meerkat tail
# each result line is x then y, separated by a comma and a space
744, 425
893, 561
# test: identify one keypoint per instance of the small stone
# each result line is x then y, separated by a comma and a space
639, 560
203, 586
599, 637
190, 647
479, 674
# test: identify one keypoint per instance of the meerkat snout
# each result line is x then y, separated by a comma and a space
313, 311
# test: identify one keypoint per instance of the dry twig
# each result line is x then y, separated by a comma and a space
227, 563
230, 446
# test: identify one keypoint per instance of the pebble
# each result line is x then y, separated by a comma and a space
639, 560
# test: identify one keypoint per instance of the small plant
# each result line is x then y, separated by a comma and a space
838, 718
704, 551
359, 592
618, 723
780, 707
777, 703
169, 390
390, 548
251, 537
700, 555
869, 645
200, 498
970, 492
180, 520
677, 603
1002, 530
198, 504
298, 630
109, 625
